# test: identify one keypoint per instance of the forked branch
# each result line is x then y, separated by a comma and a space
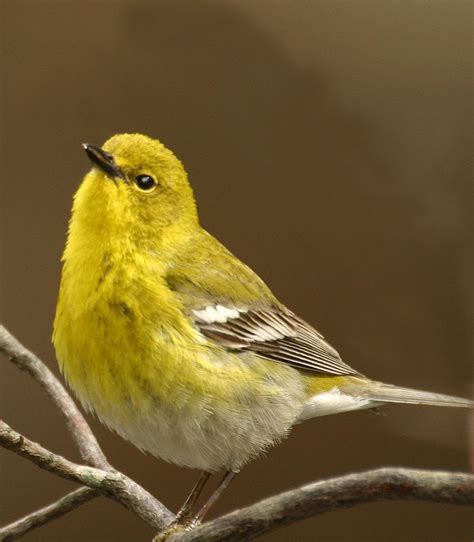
98, 477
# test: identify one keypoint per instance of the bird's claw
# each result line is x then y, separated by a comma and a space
179, 525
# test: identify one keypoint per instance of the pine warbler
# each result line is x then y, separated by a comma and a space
176, 344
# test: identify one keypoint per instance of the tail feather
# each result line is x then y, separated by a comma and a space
386, 393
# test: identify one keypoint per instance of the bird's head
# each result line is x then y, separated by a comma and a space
136, 188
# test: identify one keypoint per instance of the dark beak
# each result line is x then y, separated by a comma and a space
103, 160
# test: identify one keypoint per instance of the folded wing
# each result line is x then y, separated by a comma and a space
273, 333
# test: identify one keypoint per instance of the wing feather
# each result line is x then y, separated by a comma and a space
274, 333
232, 307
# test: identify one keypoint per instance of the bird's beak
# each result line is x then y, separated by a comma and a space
103, 160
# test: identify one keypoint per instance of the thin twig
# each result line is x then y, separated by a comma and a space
112, 484
82, 434
334, 494
44, 515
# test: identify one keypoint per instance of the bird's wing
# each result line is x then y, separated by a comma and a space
233, 307
272, 333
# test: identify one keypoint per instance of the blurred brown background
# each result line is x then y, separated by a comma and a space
329, 144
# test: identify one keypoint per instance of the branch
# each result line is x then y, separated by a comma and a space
123, 490
384, 484
82, 434
245, 524
112, 484
44, 515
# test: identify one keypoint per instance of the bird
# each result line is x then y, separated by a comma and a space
177, 345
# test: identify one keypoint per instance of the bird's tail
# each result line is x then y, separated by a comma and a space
386, 393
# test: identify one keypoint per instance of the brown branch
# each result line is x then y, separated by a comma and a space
126, 491
385, 484
245, 524
44, 515
82, 434
112, 484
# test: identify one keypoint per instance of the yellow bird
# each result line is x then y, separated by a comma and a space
176, 344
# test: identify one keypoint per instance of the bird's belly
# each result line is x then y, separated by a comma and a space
196, 409
218, 440
205, 433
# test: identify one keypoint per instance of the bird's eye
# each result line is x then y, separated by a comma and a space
145, 182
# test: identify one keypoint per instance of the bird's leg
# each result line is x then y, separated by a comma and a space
186, 510
229, 475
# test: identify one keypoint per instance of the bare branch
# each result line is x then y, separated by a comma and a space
334, 494
245, 524
43, 458
126, 491
112, 484
82, 434
49, 513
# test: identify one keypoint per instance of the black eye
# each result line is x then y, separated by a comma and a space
145, 182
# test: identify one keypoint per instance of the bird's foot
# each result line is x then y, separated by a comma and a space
179, 525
